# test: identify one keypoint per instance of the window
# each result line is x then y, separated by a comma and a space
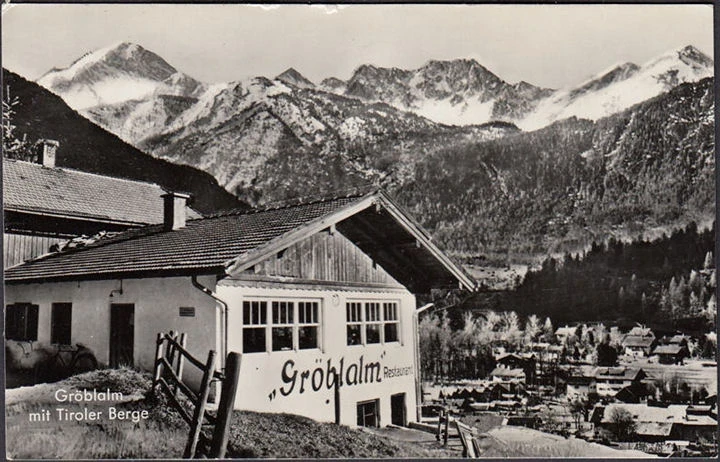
354, 323
372, 317
21, 322
368, 414
308, 324
61, 323
390, 322
254, 326
372, 322
289, 325
282, 326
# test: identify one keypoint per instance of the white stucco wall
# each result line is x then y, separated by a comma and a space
262, 387
156, 300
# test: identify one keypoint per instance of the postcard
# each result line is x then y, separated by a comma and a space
359, 231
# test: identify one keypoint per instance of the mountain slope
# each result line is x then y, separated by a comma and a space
294, 78
459, 92
480, 189
87, 147
247, 133
646, 170
464, 92
621, 87
117, 74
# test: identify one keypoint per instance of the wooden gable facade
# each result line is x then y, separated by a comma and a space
325, 257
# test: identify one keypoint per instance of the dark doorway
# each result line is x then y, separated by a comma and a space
397, 409
368, 413
122, 334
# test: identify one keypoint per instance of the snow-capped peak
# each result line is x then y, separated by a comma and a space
118, 73
622, 86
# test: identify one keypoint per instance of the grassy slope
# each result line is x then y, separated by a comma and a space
164, 434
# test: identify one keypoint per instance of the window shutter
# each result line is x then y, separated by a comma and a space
32, 322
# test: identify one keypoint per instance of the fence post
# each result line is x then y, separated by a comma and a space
225, 408
447, 426
199, 413
337, 398
439, 427
157, 370
180, 363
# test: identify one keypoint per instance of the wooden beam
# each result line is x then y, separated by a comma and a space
393, 260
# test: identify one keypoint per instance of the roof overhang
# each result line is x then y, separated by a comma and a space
382, 230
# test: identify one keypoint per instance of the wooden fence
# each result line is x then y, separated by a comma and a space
170, 360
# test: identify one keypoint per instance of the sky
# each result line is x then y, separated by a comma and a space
548, 45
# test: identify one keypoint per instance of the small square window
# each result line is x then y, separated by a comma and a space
253, 340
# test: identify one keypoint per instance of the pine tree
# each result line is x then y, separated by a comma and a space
12, 146
548, 331
532, 328
709, 261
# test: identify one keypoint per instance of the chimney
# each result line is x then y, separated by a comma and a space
46, 150
174, 210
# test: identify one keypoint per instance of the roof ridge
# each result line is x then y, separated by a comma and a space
74, 170
299, 201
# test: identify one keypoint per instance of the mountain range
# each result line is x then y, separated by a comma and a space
455, 92
87, 147
640, 160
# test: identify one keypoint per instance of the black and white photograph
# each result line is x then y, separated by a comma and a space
365, 231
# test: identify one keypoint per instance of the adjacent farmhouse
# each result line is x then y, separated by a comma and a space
308, 293
610, 380
46, 205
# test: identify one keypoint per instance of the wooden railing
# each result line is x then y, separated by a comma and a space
170, 360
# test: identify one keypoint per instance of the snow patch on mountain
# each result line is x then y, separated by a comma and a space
445, 112
627, 85
109, 92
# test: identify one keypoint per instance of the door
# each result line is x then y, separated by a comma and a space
367, 413
397, 409
122, 334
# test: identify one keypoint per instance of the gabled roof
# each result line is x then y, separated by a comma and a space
641, 331
230, 243
66, 193
637, 341
671, 349
678, 339
565, 331
673, 413
507, 372
612, 373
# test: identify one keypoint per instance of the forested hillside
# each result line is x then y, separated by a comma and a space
647, 170
669, 282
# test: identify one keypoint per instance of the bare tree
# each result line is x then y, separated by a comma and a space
623, 424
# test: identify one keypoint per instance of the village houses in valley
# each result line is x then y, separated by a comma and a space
308, 293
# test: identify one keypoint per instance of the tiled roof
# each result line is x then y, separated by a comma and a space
506, 372
32, 188
641, 331
678, 339
673, 413
637, 341
204, 245
616, 373
653, 428
668, 349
